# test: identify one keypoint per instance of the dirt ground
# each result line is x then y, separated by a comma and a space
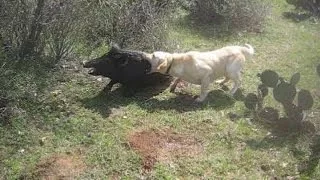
59, 166
163, 146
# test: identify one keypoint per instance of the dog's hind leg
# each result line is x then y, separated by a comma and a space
236, 82
234, 73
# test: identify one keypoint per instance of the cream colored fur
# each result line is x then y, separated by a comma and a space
203, 68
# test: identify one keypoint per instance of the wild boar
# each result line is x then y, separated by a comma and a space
129, 68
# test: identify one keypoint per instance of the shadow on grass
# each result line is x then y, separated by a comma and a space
286, 133
305, 167
308, 167
289, 140
104, 103
297, 16
216, 99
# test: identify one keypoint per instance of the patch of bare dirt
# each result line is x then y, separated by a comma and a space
59, 166
163, 146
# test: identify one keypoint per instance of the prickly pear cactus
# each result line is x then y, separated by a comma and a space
251, 101
305, 100
284, 92
295, 79
269, 78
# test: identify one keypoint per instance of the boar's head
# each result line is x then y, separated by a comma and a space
118, 61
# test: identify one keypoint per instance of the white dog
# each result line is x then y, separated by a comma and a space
203, 68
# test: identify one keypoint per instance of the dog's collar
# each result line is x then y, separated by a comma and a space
168, 70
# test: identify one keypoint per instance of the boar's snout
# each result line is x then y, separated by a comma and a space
94, 63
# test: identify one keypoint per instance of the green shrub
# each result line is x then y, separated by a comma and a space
312, 6
38, 28
5, 90
248, 15
135, 24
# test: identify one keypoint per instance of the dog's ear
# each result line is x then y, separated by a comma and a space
162, 65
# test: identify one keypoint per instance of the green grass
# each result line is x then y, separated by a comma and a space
73, 116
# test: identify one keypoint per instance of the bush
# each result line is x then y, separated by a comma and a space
135, 24
6, 90
27, 27
312, 6
36, 28
248, 15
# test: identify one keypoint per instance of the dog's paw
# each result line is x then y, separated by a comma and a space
219, 81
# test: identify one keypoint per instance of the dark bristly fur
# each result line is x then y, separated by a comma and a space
129, 68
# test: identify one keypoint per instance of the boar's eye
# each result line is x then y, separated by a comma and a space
122, 62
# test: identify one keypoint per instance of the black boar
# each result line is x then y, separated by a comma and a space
129, 68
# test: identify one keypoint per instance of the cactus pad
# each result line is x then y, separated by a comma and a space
269, 78
251, 101
284, 92
305, 100
318, 69
295, 79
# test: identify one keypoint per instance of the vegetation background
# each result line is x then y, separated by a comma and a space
55, 122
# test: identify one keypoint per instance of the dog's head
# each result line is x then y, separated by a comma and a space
117, 59
160, 61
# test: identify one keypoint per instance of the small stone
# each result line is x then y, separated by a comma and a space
42, 141
265, 167
269, 133
284, 164
89, 135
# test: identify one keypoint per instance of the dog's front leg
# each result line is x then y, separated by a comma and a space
204, 89
109, 86
174, 85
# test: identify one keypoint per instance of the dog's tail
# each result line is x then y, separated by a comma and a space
248, 50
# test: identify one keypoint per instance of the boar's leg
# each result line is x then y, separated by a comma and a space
109, 86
